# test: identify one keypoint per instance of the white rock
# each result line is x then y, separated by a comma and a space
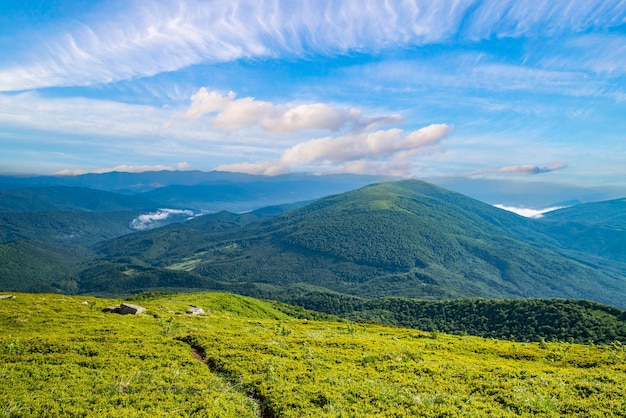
195, 311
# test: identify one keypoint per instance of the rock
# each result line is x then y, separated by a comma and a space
128, 309
84, 303
195, 311
112, 309
7, 297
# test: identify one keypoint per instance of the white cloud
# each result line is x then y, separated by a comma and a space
228, 112
529, 169
152, 219
384, 152
520, 170
150, 37
528, 212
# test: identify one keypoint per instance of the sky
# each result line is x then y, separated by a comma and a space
513, 89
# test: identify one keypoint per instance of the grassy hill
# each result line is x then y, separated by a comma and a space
406, 239
62, 356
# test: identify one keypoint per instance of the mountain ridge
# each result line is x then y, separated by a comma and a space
405, 238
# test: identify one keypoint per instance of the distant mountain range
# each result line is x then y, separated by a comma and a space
201, 190
402, 239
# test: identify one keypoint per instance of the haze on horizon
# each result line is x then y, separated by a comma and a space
530, 90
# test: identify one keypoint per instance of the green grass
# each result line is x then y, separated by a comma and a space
61, 357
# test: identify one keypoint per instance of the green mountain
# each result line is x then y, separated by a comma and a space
597, 228
60, 198
607, 214
408, 238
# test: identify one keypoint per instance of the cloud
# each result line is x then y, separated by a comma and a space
140, 39
125, 169
150, 37
599, 53
232, 113
384, 152
527, 212
472, 72
153, 219
530, 169
520, 170
513, 18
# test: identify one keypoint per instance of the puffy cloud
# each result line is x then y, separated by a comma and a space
379, 144
232, 113
153, 219
384, 152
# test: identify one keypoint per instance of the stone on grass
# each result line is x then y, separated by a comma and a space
7, 297
128, 309
112, 309
194, 310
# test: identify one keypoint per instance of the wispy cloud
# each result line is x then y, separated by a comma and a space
522, 170
228, 112
512, 18
472, 72
600, 53
150, 37
384, 152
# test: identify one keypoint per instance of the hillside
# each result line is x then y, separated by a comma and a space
407, 239
62, 356
202, 191
609, 214
597, 228
58, 198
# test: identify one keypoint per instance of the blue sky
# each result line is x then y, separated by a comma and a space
494, 89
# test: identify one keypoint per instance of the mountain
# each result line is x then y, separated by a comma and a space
197, 190
597, 228
63, 198
408, 238
527, 194
610, 214
246, 196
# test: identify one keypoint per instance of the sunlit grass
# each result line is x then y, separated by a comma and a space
62, 357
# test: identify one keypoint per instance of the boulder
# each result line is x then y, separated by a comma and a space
112, 309
7, 297
128, 309
194, 310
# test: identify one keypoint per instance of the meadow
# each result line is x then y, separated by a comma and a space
63, 356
